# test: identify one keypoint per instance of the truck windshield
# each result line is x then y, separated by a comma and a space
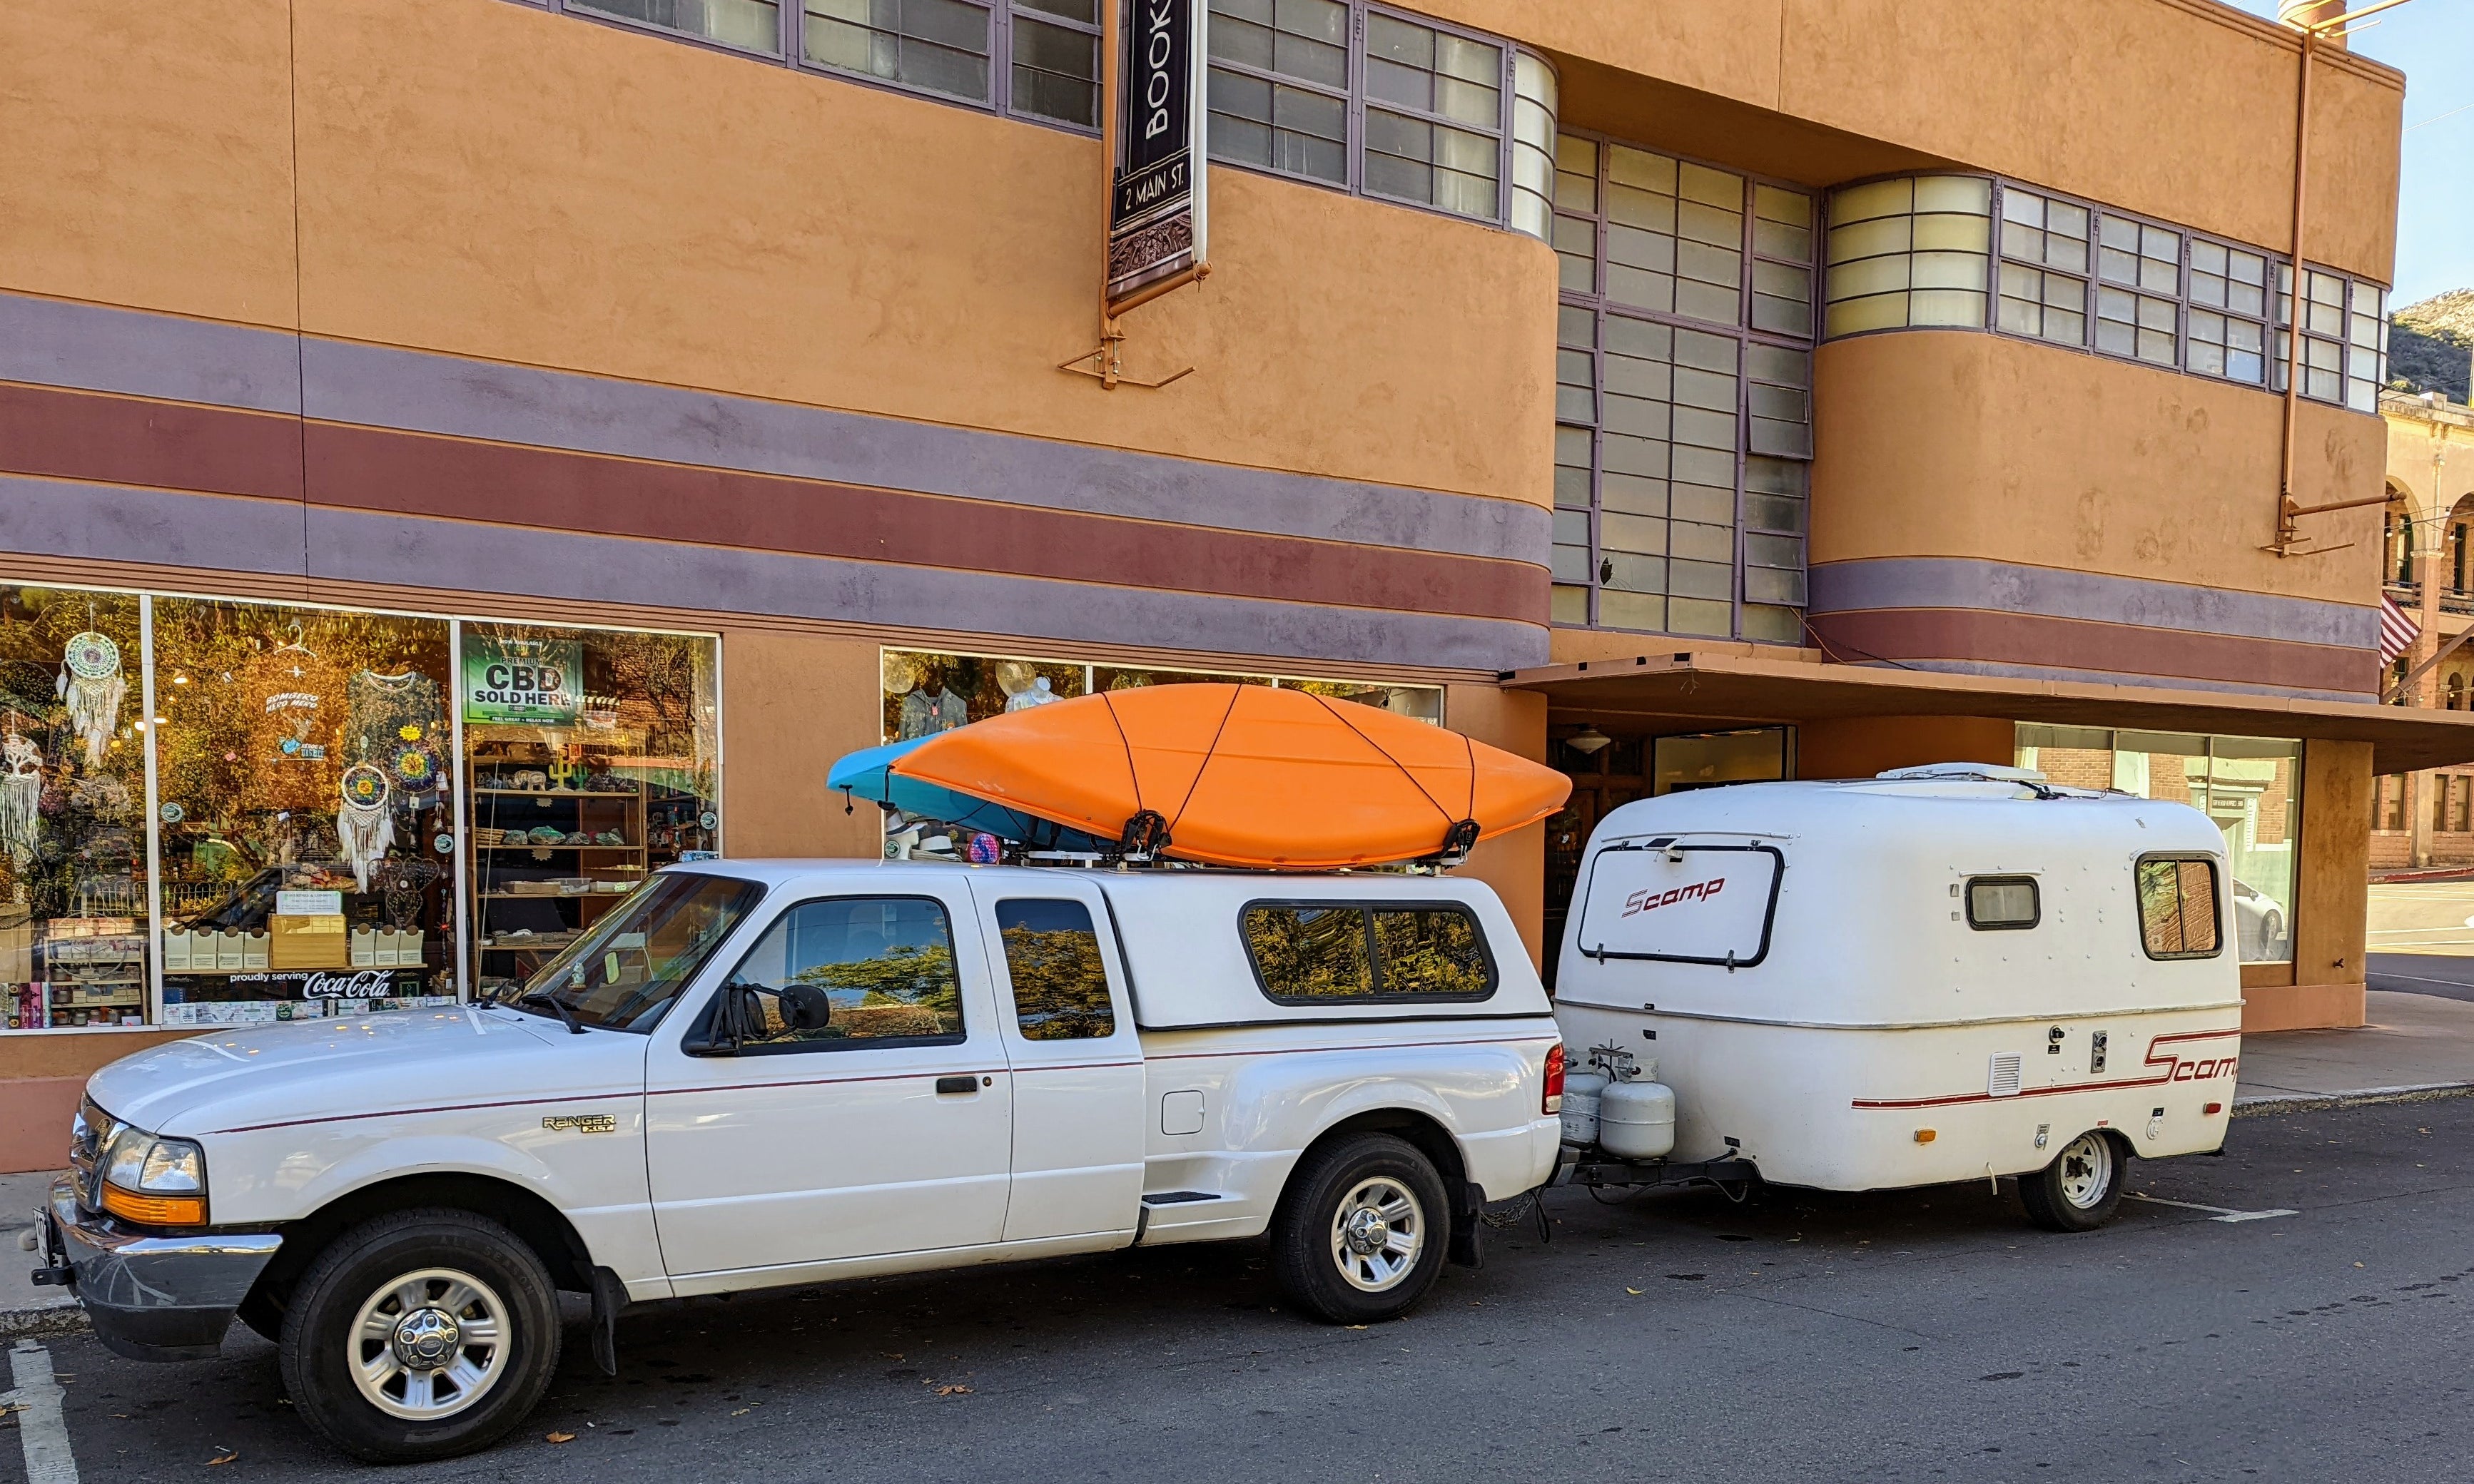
626, 970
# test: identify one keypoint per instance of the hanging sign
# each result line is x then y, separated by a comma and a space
1156, 211
523, 680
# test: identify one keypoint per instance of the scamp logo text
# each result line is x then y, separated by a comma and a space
2179, 1063
1647, 900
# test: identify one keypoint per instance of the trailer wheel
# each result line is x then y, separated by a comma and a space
2081, 1189
1362, 1230
420, 1335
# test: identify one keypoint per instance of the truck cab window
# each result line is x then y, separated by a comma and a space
2001, 903
1060, 985
2177, 907
625, 972
884, 967
1305, 951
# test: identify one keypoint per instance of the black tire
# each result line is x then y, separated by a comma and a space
2081, 1189
373, 1266
1396, 1184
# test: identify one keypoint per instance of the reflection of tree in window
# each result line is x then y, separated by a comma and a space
1310, 953
1430, 952
1060, 986
908, 990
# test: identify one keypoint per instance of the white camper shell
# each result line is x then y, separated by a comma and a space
1943, 974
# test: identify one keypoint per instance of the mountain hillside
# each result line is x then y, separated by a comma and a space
2430, 345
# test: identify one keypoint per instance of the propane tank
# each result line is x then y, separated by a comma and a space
1581, 1091
1636, 1116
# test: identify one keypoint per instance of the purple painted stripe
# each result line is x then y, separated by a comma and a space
2011, 587
112, 523
53, 342
95, 348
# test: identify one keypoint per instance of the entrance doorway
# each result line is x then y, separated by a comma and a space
1611, 769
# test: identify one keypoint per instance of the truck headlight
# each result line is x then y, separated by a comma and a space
155, 1182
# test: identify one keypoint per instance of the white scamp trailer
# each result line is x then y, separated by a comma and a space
1946, 973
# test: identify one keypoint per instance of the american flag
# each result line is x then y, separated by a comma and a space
2397, 632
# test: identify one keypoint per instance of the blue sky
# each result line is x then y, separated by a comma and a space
2431, 41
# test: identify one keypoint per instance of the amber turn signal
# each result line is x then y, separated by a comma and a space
154, 1210
1925, 1135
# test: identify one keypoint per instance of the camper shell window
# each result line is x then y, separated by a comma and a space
1998, 904
2177, 907
1317, 953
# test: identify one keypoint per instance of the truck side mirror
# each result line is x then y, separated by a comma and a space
758, 1013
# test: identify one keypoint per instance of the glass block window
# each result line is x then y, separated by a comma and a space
2138, 289
1908, 253
2044, 267
1533, 145
1280, 86
1434, 117
1056, 51
1683, 394
2228, 329
940, 45
750, 25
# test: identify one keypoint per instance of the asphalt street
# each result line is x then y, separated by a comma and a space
1919, 1335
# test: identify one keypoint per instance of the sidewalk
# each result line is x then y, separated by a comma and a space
2416, 1045
24, 1308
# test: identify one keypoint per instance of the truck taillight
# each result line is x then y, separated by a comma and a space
1553, 1101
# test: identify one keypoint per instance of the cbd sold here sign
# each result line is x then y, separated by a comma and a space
523, 679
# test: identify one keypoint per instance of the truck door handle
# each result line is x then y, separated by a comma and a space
946, 1085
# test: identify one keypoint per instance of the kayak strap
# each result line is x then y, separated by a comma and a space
1145, 836
1458, 841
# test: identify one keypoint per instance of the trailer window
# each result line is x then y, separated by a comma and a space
1310, 953
2001, 903
2177, 907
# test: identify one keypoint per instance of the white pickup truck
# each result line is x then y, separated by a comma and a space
754, 1074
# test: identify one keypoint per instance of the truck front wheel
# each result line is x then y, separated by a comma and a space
1360, 1231
2081, 1189
420, 1335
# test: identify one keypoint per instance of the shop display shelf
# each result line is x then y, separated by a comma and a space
620, 794
628, 849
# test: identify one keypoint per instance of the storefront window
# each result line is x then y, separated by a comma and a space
305, 831
2250, 785
594, 759
74, 921
926, 692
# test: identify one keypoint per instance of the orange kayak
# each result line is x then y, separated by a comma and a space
1243, 775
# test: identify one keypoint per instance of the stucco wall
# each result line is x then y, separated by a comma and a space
2181, 108
1974, 445
510, 185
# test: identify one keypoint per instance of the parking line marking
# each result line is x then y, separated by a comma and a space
2222, 1213
40, 1428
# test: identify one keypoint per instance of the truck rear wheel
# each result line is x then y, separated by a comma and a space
420, 1335
2081, 1189
1360, 1231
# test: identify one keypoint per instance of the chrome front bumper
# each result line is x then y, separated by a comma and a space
153, 1297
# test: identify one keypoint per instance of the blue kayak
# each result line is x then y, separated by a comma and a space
868, 774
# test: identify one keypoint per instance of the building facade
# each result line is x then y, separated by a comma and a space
455, 459
2424, 820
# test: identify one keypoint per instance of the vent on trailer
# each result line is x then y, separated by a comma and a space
2005, 1075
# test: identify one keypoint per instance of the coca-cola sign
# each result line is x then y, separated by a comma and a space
359, 984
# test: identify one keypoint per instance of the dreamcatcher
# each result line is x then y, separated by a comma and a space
21, 797
403, 881
365, 826
91, 683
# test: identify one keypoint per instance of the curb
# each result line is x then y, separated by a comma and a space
2368, 1097
50, 1319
